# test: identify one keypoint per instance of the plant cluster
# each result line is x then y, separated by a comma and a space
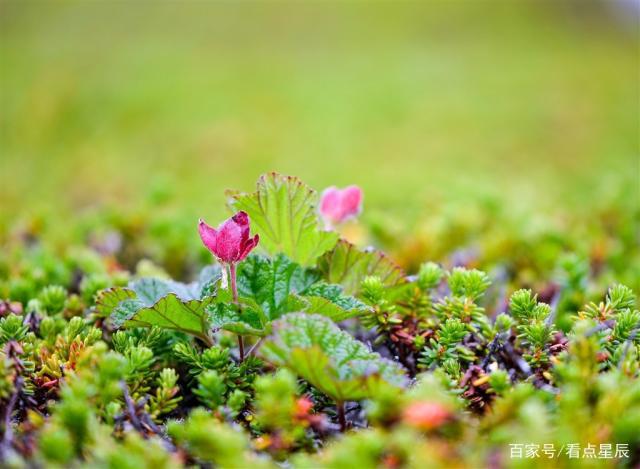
296, 347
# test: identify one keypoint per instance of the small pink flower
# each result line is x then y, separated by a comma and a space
339, 205
230, 242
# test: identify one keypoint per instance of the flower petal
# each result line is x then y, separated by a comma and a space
351, 201
208, 235
248, 246
242, 220
330, 206
229, 241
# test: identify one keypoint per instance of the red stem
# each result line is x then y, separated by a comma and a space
234, 286
234, 292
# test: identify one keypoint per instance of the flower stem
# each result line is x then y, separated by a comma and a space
241, 348
234, 286
234, 292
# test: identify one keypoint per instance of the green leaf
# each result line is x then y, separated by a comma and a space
194, 308
173, 305
268, 288
330, 359
329, 301
283, 213
150, 290
282, 286
270, 282
348, 266
245, 318
170, 312
126, 309
111, 298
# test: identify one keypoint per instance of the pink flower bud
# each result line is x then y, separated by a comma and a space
230, 242
426, 415
339, 205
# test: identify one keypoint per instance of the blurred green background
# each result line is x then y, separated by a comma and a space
124, 106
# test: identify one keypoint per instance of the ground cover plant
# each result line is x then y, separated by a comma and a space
287, 345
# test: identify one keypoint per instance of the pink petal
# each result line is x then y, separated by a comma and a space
330, 204
351, 201
208, 235
230, 237
248, 246
242, 220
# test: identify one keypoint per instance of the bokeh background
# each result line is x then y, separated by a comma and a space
462, 120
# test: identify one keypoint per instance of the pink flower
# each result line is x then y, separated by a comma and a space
339, 205
230, 242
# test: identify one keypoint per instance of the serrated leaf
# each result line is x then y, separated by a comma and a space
170, 312
125, 310
281, 286
283, 213
244, 318
270, 282
150, 290
321, 306
329, 301
347, 265
193, 308
110, 298
268, 288
330, 359
334, 293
